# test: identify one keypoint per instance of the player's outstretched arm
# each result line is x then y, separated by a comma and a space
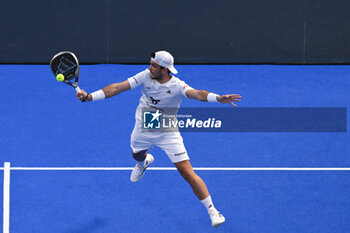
106, 92
203, 95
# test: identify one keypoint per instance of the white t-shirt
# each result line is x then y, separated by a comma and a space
158, 95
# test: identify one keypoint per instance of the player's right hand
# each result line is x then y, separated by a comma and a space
83, 96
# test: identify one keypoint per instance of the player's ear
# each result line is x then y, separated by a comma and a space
166, 69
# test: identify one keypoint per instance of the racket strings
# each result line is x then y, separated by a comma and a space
66, 67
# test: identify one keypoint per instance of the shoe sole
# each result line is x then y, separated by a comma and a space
217, 224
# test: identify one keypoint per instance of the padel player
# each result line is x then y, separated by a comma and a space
162, 90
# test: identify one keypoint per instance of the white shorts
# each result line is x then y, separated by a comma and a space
171, 143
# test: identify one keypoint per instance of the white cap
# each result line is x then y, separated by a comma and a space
165, 59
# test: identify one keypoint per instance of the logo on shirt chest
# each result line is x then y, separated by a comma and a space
154, 101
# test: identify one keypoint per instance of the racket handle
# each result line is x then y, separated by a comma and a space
77, 89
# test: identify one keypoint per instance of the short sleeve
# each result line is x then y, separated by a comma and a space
184, 87
138, 79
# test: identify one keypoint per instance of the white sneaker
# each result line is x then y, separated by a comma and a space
138, 172
216, 219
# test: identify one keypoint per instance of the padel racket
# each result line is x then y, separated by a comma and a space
66, 63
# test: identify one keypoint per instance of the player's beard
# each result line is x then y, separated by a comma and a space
157, 77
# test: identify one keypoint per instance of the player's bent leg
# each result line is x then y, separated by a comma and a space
144, 160
173, 146
197, 184
139, 144
200, 190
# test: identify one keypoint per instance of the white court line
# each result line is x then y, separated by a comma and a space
6, 197
173, 168
7, 169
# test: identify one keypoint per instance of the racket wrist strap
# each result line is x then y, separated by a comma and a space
86, 99
212, 97
97, 95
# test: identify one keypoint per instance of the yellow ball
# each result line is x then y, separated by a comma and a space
60, 77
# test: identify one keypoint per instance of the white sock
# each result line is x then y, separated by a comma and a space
208, 203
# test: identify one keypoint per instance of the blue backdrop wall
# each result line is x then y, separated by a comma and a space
196, 31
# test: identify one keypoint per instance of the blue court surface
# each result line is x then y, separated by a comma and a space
42, 124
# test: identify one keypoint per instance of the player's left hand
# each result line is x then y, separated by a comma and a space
229, 98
